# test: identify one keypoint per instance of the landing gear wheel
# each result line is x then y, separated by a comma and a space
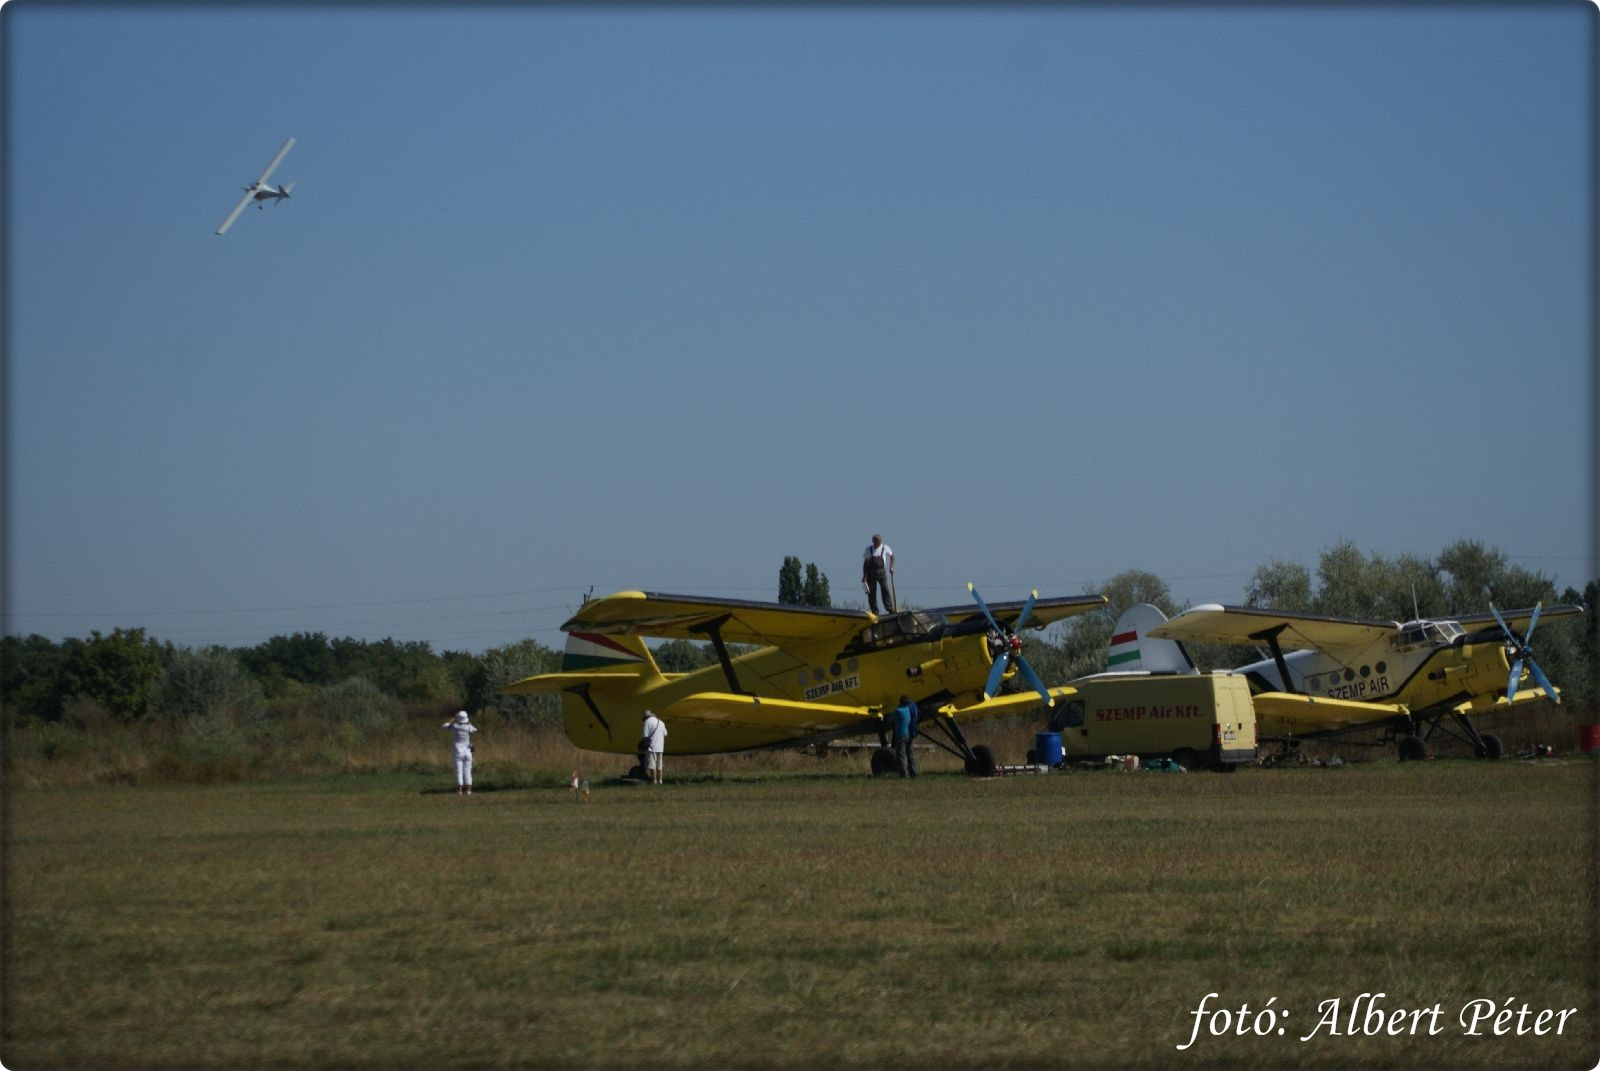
883, 762
1413, 749
982, 762
1492, 747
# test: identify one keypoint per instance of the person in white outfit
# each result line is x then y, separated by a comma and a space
461, 728
655, 731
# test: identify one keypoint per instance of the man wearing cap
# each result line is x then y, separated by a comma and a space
655, 735
877, 572
461, 728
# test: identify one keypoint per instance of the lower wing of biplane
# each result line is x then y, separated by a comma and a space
813, 675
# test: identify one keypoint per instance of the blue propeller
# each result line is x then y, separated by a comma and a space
1522, 651
1010, 652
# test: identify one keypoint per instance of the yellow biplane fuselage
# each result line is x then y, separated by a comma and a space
816, 673
824, 677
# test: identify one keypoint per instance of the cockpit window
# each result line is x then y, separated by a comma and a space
896, 629
1430, 633
1410, 635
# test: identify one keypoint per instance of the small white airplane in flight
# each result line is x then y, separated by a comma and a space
259, 191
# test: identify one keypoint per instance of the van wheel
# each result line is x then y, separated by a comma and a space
982, 762
1413, 749
1184, 757
883, 762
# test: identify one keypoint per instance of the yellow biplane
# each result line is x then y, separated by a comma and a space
818, 674
1326, 676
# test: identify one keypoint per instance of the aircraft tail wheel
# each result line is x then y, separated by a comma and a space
883, 762
1413, 749
1492, 747
982, 762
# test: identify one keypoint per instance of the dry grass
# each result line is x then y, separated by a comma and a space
777, 916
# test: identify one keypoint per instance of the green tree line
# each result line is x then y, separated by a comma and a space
130, 677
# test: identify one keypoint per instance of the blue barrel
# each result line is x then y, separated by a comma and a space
1047, 746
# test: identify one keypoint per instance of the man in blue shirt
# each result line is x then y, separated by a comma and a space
904, 720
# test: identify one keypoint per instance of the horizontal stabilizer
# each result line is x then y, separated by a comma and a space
560, 682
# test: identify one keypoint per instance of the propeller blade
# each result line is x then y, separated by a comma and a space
1027, 608
1543, 681
1527, 637
1512, 636
1516, 678
973, 591
997, 671
1034, 682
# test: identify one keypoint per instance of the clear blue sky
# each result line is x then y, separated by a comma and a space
654, 297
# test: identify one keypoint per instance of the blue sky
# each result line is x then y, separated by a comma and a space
649, 297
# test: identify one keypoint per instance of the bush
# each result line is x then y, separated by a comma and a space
357, 704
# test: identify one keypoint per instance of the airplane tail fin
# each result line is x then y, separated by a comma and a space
590, 652
1133, 651
613, 671
600, 677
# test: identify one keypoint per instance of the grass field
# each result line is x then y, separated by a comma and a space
795, 919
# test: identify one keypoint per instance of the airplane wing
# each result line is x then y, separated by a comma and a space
1480, 704
688, 617
785, 718
1293, 713
1517, 618
276, 160
1002, 705
793, 719
250, 191
1045, 611
1244, 624
243, 201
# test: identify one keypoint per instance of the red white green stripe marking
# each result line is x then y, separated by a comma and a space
1124, 649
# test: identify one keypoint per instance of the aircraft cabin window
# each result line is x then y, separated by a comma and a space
898, 628
1410, 636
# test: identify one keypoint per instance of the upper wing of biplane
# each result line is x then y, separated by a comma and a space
1517, 618
694, 617
1292, 631
1044, 612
